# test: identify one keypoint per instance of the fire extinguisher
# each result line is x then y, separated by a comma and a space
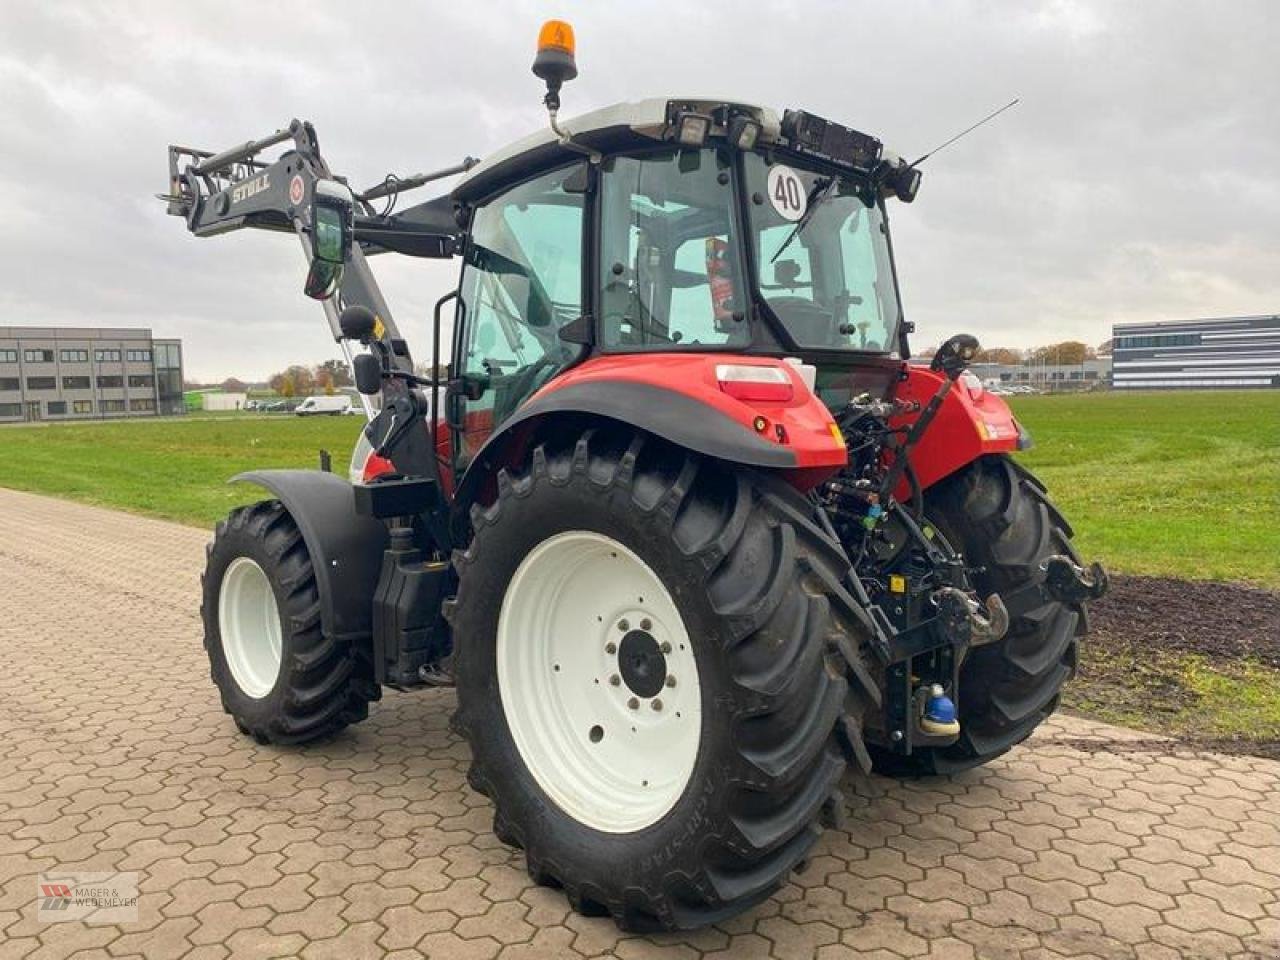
720, 278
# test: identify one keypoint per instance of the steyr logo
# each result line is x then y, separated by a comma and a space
243, 191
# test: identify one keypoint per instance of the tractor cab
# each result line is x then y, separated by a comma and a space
674, 226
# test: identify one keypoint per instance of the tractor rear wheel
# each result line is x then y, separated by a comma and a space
997, 514
280, 677
650, 676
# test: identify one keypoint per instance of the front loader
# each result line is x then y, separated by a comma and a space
682, 525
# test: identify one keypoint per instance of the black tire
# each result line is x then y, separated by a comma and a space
323, 685
1000, 518
748, 570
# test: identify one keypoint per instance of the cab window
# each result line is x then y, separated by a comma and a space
671, 276
521, 282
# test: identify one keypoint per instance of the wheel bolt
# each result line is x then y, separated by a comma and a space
666, 648
610, 647
656, 704
633, 703
615, 680
671, 680
646, 624
624, 626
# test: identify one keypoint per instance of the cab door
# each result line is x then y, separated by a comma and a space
521, 283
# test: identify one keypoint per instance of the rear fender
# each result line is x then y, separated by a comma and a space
970, 423
346, 548
677, 397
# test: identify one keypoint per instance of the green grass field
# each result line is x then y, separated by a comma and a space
1183, 484
1180, 484
172, 468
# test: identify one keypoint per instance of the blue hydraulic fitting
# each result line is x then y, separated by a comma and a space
939, 719
874, 512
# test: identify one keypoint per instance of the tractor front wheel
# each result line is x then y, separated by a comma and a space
280, 677
649, 676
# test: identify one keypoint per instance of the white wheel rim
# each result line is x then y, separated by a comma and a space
249, 624
581, 613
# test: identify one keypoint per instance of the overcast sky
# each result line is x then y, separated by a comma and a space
1138, 180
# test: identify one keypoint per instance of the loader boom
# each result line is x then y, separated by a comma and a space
236, 189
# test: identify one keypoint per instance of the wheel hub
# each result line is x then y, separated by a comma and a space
599, 682
249, 625
641, 664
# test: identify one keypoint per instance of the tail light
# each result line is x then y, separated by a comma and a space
748, 382
376, 466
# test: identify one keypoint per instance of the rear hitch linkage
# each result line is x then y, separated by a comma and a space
987, 622
1068, 582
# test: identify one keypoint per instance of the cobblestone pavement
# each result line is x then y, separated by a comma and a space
114, 755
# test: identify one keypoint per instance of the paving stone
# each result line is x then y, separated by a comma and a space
371, 844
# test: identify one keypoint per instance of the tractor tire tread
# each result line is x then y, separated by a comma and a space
745, 543
325, 684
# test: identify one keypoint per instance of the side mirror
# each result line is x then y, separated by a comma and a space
357, 322
322, 280
332, 228
368, 371
955, 355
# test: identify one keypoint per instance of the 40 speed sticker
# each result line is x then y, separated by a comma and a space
786, 192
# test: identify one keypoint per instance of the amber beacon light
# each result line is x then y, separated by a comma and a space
554, 62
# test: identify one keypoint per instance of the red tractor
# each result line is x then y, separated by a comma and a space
688, 533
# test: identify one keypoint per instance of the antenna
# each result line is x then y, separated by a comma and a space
967, 130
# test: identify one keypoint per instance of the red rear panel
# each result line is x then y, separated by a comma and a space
966, 427
799, 422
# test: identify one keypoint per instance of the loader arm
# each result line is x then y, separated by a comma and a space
236, 189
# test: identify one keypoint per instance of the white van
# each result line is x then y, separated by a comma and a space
334, 406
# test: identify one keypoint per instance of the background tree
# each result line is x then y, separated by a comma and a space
287, 387
1005, 355
232, 385
302, 381
337, 370
325, 380
1066, 353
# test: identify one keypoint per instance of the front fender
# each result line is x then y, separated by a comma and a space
677, 397
965, 428
346, 548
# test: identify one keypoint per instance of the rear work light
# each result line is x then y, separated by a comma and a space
747, 382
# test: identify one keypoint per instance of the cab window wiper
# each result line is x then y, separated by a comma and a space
817, 196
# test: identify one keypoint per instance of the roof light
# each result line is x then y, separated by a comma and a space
692, 129
905, 183
749, 382
743, 132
